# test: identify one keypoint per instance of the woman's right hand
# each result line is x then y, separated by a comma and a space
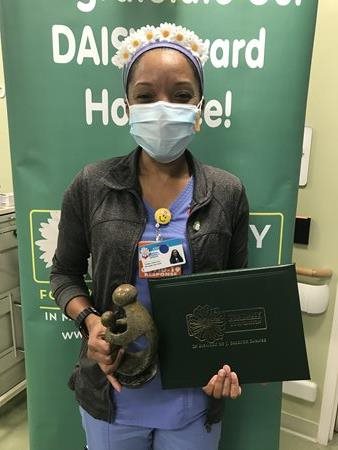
99, 350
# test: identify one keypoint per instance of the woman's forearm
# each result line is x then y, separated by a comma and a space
76, 305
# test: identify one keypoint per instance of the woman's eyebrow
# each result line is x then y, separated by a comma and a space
184, 82
187, 83
143, 83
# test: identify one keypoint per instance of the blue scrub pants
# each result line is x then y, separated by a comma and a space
110, 436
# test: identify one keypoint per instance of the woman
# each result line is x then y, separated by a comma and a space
175, 257
112, 208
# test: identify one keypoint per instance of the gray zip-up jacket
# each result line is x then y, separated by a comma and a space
103, 216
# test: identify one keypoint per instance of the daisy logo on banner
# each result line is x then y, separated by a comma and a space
44, 235
49, 234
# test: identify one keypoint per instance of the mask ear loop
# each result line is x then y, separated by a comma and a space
127, 106
198, 119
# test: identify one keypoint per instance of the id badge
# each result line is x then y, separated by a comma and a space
161, 259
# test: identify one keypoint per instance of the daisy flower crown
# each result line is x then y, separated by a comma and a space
166, 35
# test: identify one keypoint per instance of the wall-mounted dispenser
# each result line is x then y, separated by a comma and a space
314, 299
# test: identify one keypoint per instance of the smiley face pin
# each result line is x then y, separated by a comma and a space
162, 216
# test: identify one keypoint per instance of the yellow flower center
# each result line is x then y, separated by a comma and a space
135, 43
179, 37
149, 35
165, 33
194, 47
125, 55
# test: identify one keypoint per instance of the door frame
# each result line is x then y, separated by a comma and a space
329, 406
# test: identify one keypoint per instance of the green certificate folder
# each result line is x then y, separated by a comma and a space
249, 319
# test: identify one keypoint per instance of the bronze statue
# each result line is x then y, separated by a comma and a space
136, 368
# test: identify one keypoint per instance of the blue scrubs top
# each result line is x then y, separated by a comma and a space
151, 406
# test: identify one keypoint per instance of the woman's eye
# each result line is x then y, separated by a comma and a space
183, 96
144, 98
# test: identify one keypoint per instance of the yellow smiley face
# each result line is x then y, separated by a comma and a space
163, 216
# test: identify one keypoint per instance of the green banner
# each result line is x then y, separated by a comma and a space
66, 109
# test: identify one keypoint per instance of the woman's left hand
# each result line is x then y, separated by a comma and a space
223, 384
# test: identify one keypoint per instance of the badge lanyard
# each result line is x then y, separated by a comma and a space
162, 216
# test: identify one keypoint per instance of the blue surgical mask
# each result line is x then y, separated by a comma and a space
164, 129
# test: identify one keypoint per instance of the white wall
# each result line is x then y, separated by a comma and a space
319, 200
6, 184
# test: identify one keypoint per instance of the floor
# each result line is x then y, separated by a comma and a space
14, 430
13, 424
291, 442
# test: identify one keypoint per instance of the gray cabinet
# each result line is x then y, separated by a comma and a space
12, 363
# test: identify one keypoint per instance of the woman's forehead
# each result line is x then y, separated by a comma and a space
158, 62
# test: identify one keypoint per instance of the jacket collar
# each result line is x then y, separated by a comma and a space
122, 174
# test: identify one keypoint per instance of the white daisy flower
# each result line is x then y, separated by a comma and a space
180, 35
117, 61
148, 34
134, 41
124, 53
165, 31
196, 46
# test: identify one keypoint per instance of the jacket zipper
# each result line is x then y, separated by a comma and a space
138, 198
192, 212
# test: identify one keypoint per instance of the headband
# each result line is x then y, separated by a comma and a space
164, 36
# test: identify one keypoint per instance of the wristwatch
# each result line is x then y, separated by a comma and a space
80, 320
